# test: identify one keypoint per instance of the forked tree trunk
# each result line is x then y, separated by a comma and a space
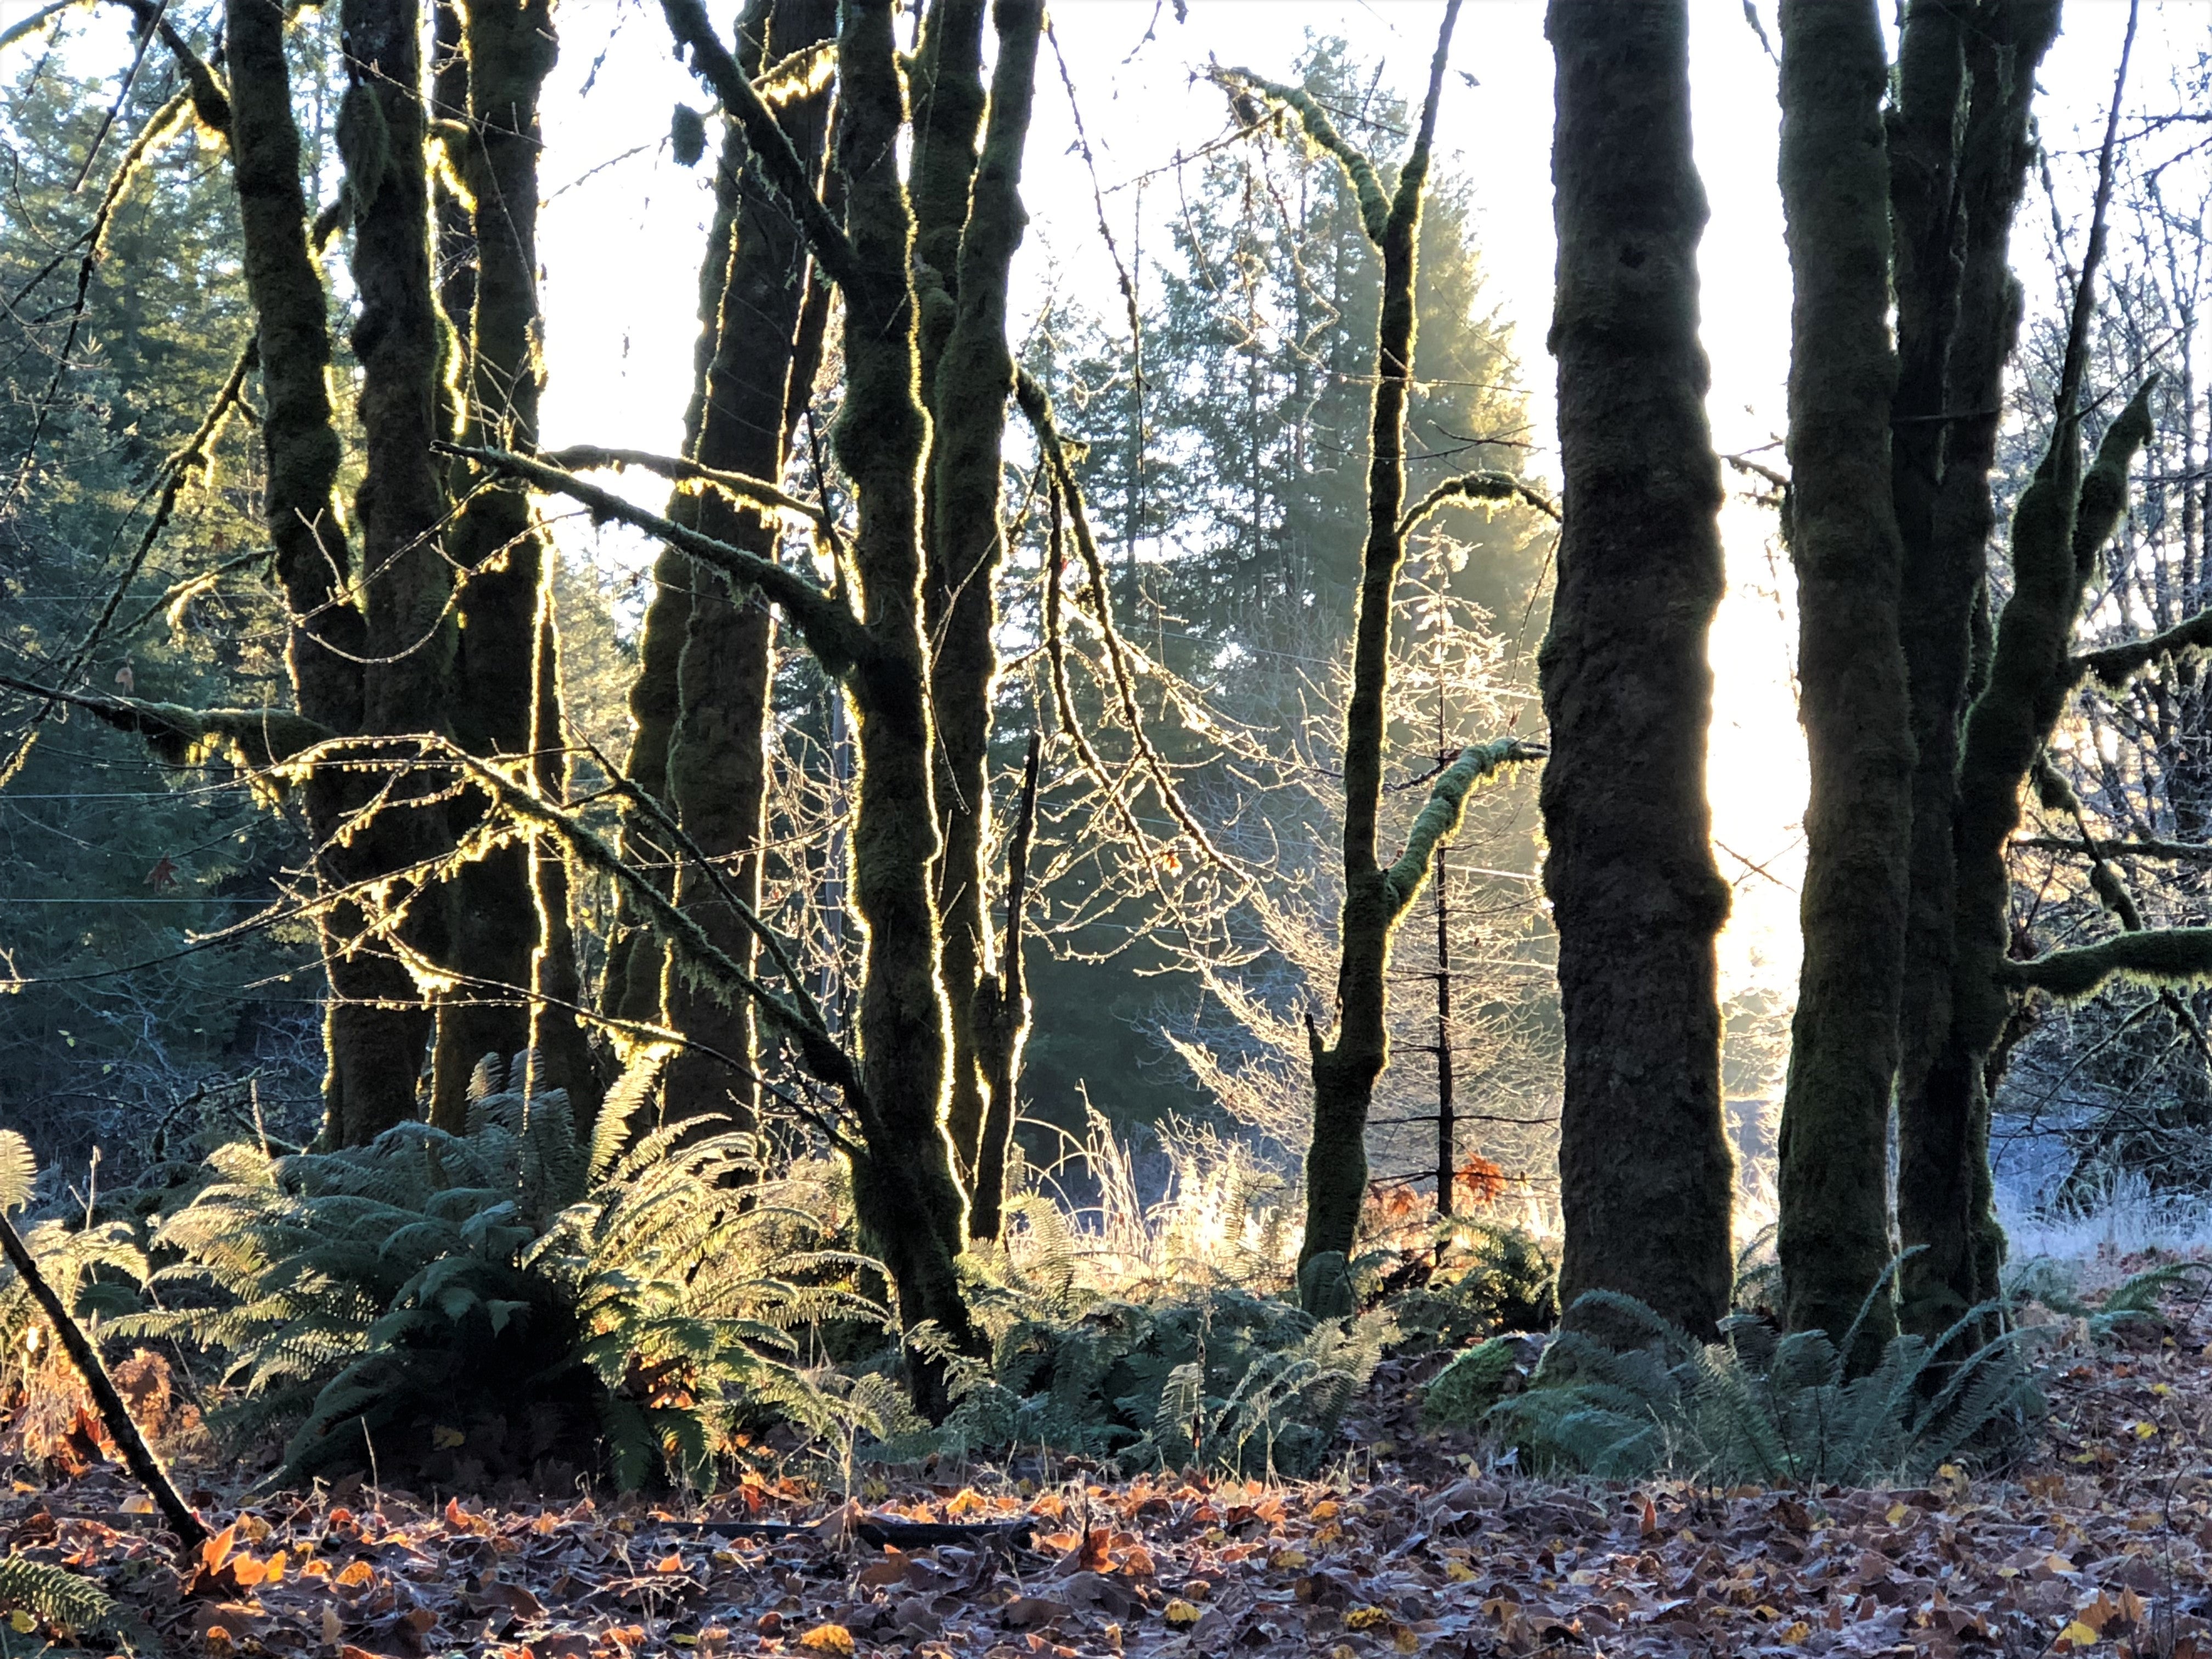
970, 378
1958, 315
1646, 1178
1834, 1238
371, 1050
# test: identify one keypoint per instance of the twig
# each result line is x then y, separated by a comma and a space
191, 1532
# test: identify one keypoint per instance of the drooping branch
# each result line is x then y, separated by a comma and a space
1036, 405
253, 738
1479, 487
821, 1054
833, 633
1366, 182
1438, 820
211, 103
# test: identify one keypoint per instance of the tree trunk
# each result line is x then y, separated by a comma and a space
904, 1185
368, 1079
1646, 1178
1953, 353
1834, 1238
505, 937
405, 582
972, 379
718, 771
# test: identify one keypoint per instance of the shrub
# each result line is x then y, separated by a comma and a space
511, 1295
1754, 1406
1491, 1278
1216, 1377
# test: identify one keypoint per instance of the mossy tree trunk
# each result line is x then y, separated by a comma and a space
371, 1049
717, 762
1960, 145
1376, 895
970, 381
1646, 1178
508, 907
1834, 1177
406, 584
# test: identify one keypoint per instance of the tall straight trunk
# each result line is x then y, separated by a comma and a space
973, 380
905, 1186
1957, 323
405, 584
717, 764
635, 962
509, 932
1834, 1238
371, 1050
1646, 1179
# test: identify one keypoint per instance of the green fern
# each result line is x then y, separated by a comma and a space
1756, 1406
62, 1599
364, 1298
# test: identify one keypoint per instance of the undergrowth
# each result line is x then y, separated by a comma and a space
487, 1302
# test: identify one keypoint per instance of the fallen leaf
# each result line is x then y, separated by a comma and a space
833, 1639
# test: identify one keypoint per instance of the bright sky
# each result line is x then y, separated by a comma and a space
620, 253
624, 227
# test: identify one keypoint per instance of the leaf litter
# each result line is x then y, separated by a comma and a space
2098, 1540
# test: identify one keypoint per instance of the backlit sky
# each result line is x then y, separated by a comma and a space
620, 325
623, 225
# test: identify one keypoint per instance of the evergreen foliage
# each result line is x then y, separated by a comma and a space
1222, 1380
62, 1599
1778, 1409
533, 1278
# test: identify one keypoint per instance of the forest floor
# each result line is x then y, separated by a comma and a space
2100, 1538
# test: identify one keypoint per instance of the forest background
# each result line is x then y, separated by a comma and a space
109, 864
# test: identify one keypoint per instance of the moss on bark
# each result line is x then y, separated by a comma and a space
1959, 159
1646, 1177
718, 765
1834, 1177
371, 1049
1377, 896
973, 381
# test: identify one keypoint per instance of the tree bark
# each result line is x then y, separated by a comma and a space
509, 932
973, 379
1945, 427
1646, 1177
405, 582
1834, 1238
368, 1081
718, 766
905, 1187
